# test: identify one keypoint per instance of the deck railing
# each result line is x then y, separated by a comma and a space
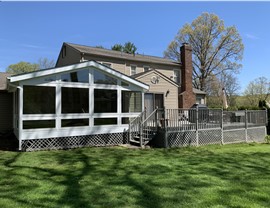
135, 126
182, 127
149, 126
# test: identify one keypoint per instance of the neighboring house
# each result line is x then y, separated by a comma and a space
133, 64
6, 103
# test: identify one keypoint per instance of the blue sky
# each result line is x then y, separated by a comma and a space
31, 30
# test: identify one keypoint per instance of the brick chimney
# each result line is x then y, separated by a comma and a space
186, 97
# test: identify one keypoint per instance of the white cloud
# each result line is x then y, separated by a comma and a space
250, 36
30, 46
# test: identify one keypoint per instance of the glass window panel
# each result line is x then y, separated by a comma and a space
105, 121
176, 76
146, 68
132, 70
75, 100
105, 101
50, 79
38, 124
78, 76
38, 100
124, 84
74, 122
100, 78
131, 101
125, 120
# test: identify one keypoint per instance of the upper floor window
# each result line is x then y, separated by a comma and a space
132, 70
146, 68
176, 76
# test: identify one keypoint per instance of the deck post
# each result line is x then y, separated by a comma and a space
165, 127
221, 126
197, 126
246, 125
20, 113
129, 133
141, 129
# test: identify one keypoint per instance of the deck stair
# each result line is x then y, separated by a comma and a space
143, 129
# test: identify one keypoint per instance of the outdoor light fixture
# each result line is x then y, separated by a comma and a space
168, 91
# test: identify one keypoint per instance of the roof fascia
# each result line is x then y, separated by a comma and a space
41, 73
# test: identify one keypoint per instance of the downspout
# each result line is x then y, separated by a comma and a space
20, 112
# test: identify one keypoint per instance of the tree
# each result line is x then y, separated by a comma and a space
117, 47
214, 86
130, 48
231, 85
99, 46
22, 67
257, 91
127, 48
45, 63
216, 48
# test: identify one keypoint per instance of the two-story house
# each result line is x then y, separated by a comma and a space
92, 94
170, 82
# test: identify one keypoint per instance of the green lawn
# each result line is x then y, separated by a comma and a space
210, 176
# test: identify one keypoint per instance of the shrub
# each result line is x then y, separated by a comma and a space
267, 139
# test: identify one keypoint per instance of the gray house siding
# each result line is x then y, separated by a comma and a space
6, 111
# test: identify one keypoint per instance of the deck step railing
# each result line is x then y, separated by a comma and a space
142, 129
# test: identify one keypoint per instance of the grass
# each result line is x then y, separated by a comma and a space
210, 176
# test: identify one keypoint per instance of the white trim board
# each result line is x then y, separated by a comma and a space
47, 72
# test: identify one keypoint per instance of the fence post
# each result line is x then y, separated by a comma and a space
156, 118
246, 125
197, 126
165, 127
129, 133
221, 126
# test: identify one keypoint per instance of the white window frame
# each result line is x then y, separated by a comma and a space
146, 67
131, 73
174, 77
58, 116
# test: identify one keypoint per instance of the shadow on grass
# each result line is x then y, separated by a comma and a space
115, 177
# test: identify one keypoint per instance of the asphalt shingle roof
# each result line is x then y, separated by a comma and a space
121, 55
3, 80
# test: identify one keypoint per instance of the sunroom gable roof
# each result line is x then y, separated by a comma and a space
47, 72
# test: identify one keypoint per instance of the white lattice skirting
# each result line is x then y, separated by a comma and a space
214, 136
74, 142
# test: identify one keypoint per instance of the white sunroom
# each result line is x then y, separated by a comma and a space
85, 104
